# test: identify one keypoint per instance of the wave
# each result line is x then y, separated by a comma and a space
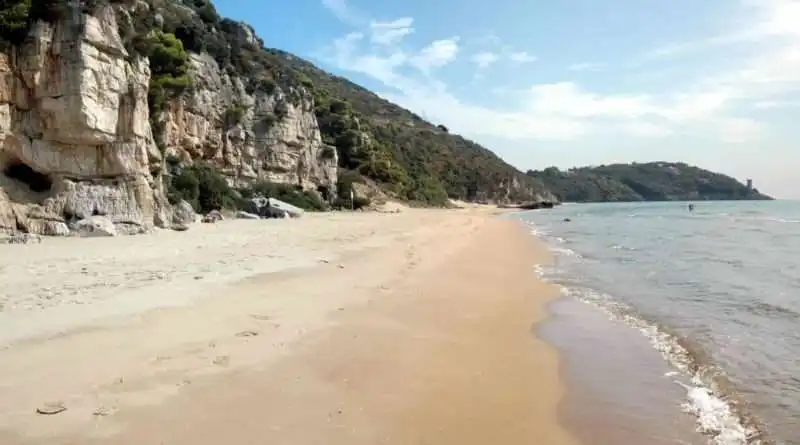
719, 412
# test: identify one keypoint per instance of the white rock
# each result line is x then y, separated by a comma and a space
246, 215
95, 226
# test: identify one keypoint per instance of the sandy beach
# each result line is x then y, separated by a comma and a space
408, 328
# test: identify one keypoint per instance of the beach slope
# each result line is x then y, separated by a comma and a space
425, 337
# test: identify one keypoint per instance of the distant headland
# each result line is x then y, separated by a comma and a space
651, 181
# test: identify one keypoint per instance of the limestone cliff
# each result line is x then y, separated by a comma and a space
76, 138
249, 137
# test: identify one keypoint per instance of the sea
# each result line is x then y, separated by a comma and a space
676, 326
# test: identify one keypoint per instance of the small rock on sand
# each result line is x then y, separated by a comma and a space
246, 215
179, 227
103, 411
51, 408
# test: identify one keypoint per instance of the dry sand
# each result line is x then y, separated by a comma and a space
409, 328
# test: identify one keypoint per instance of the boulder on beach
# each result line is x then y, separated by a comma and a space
94, 226
179, 227
183, 213
273, 208
213, 216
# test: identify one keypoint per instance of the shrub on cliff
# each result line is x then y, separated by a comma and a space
203, 187
169, 67
14, 22
304, 199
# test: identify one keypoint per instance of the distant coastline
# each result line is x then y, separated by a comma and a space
646, 182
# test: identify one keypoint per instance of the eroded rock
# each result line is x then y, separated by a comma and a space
95, 226
76, 140
183, 213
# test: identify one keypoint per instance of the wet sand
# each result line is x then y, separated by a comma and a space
621, 391
423, 337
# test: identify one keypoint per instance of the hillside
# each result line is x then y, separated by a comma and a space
431, 161
653, 181
135, 109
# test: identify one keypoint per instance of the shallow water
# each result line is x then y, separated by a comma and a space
715, 291
620, 390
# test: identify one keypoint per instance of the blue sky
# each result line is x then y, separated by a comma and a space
542, 82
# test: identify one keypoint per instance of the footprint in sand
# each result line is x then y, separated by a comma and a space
222, 360
104, 411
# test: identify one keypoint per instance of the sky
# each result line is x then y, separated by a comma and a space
715, 83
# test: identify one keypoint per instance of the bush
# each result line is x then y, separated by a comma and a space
304, 199
169, 68
14, 21
203, 187
328, 152
234, 115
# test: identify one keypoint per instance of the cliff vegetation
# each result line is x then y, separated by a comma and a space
653, 181
130, 109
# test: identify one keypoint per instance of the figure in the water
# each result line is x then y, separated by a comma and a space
691, 207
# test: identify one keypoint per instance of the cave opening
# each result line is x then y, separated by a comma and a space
37, 182
325, 192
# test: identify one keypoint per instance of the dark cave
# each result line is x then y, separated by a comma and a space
37, 182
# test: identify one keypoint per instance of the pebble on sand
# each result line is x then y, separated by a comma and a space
51, 408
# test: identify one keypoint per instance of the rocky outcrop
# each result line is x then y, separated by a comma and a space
272, 136
95, 226
76, 139
74, 135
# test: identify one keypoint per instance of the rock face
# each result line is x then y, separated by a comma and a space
249, 137
76, 139
74, 134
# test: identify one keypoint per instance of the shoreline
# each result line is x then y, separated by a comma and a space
423, 336
665, 376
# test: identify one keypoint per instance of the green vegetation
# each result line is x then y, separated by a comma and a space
654, 181
169, 68
202, 186
14, 21
234, 115
409, 158
295, 196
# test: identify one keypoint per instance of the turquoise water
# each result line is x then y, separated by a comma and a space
716, 291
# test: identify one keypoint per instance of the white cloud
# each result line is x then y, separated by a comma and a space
341, 10
566, 98
521, 57
436, 55
777, 17
774, 104
390, 33
585, 66
644, 129
564, 110
484, 59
